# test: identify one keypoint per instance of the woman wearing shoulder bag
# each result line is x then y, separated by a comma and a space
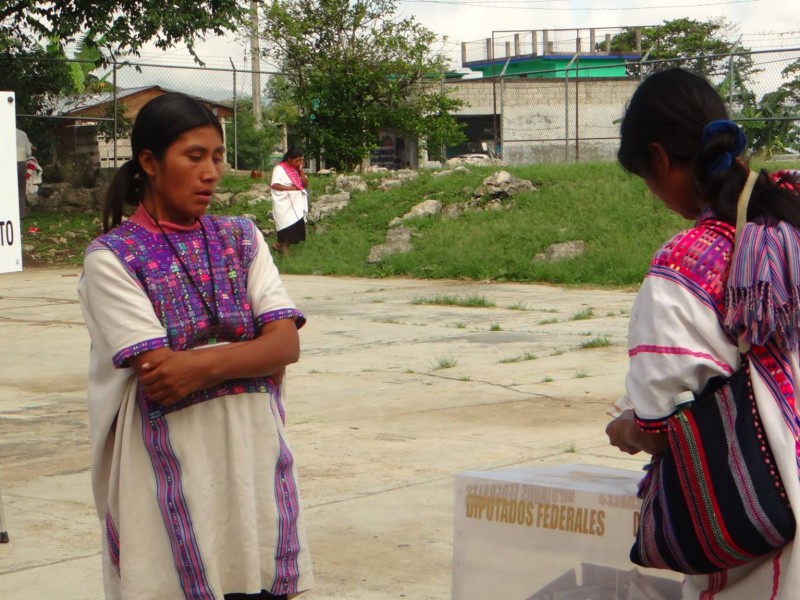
696, 316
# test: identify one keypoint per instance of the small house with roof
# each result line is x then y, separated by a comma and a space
82, 125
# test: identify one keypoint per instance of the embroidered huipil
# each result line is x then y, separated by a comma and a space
200, 498
676, 342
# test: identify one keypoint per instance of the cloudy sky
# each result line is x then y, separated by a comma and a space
762, 23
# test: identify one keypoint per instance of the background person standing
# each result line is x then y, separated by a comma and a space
24, 151
289, 200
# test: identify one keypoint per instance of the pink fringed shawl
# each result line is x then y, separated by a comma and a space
293, 174
762, 298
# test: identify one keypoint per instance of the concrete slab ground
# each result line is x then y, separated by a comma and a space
391, 398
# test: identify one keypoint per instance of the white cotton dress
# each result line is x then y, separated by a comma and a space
199, 501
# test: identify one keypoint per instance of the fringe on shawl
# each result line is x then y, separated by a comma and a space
762, 298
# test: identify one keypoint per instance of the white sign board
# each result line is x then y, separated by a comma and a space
10, 238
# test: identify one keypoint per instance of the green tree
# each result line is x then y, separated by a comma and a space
792, 86
769, 127
33, 34
353, 69
35, 74
254, 145
775, 124
702, 46
125, 25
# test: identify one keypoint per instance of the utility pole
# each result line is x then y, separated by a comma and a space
255, 58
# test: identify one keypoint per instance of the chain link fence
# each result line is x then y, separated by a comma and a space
93, 126
571, 113
566, 114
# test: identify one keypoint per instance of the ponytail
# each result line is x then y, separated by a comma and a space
127, 187
720, 176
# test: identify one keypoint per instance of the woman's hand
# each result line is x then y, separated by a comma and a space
624, 434
167, 376
619, 432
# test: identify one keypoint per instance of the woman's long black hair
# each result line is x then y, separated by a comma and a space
671, 108
159, 123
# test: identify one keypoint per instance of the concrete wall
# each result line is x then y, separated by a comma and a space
538, 117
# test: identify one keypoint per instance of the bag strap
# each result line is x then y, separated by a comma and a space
741, 221
741, 207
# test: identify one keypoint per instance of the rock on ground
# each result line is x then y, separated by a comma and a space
426, 208
327, 205
398, 240
503, 184
563, 251
350, 183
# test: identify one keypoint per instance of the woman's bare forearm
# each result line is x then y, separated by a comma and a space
168, 376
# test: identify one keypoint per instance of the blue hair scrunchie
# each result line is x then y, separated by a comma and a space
725, 161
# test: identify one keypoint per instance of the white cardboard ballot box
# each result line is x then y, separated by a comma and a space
551, 533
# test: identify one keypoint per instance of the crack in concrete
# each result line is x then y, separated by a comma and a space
50, 564
42, 323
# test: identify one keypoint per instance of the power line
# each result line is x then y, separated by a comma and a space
477, 4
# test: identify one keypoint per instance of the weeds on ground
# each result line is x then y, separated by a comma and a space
473, 301
445, 363
517, 306
522, 357
582, 315
598, 342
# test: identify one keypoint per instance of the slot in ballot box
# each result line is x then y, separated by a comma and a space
551, 533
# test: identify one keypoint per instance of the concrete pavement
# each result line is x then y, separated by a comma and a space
390, 399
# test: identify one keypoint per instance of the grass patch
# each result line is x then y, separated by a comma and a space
55, 238
495, 327
547, 379
445, 363
581, 375
235, 184
598, 342
582, 315
448, 300
571, 448
547, 321
521, 358
614, 213
517, 306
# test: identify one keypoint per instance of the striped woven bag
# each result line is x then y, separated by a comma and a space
714, 500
